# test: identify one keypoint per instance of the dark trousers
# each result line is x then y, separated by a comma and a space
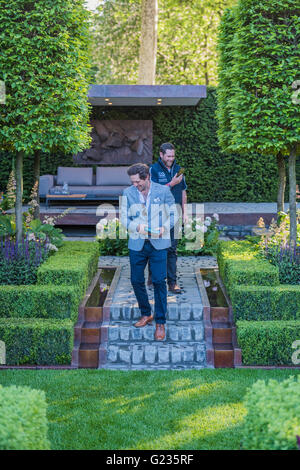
171, 260
158, 265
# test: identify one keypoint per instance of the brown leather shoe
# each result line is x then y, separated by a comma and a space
143, 321
174, 288
159, 332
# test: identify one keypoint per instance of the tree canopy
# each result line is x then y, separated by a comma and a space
186, 47
259, 64
44, 64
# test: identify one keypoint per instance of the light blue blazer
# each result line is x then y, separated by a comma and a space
162, 212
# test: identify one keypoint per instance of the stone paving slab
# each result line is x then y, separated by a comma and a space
175, 331
184, 346
175, 311
156, 354
186, 266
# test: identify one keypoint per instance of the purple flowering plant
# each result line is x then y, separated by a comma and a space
19, 262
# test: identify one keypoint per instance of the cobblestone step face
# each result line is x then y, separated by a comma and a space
182, 312
156, 355
175, 331
125, 347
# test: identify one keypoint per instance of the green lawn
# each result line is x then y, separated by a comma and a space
98, 409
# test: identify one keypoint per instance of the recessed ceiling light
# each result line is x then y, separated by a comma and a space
106, 99
109, 103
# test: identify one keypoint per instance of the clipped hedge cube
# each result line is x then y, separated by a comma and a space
37, 341
34, 301
23, 421
261, 302
251, 272
273, 415
241, 250
268, 342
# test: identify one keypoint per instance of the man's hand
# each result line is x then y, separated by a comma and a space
185, 218
141, 229
161, 231
158, 235
176, 180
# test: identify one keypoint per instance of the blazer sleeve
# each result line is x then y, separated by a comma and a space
131, 215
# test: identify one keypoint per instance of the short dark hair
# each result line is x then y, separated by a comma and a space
166, 146
140, 169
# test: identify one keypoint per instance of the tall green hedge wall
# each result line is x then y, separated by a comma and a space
210, 175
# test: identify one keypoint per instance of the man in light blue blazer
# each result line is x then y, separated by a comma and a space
148, 211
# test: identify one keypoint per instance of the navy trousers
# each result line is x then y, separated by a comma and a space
158, 266
171, 260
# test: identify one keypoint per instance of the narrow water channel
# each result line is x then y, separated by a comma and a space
213, 289
98, 296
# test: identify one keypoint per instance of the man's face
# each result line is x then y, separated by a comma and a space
140, 184
168, 158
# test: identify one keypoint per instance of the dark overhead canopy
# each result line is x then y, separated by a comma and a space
146, 95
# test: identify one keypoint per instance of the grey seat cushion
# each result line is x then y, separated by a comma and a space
112, 176
99, 191
74, 176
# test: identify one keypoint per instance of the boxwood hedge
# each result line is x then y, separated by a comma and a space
48, 301
23, 421
37, 341
262, 302
37, 321
267, 342
62, 281
273, 415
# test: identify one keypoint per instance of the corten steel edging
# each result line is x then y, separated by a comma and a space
106, 316
210, 357
237, 358
81, 319
31, 367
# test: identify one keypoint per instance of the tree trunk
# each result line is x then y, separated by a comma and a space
281, 185
37, 180
292, 201
148, 47
19, 196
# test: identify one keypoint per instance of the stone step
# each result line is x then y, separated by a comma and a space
176, 311
175, 331
156, 354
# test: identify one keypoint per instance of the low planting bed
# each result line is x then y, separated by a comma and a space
37, 321
267, 313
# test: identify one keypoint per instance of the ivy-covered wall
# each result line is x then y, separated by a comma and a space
210, 175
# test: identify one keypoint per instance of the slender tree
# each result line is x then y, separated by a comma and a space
148, 47
186, 41
44, 64
265, 57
